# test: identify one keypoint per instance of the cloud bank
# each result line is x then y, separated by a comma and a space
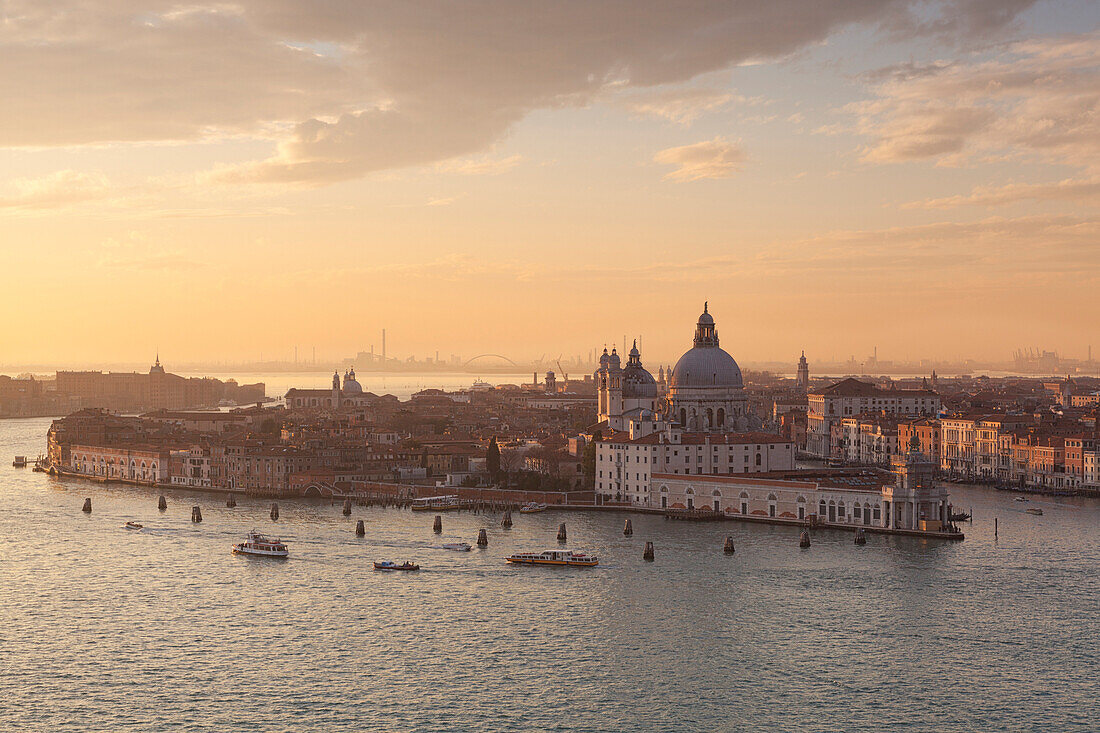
346, 88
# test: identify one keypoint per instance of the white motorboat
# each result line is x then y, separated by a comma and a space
133, 525
458, 546
258, 544
554, 557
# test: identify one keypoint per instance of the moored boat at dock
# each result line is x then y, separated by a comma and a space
532, 508
1034, 510
262, 545
554, 557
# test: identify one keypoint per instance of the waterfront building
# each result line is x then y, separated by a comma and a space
851, 398
625, 464
130, 463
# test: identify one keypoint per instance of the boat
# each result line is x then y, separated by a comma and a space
20, 462
554, 557
390, 565
458, 546
1034, 510
1022, 498
134, 525
532, 508
262, 545
436, 504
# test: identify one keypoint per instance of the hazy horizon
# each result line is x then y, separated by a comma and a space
224, 181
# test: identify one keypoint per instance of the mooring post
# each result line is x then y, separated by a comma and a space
87, 509
196, 514
230, 501
561, 533
506, 520
162, 503
437, 526
728, 547
647, 553
347, 507
482, 538
804, 540
274, 512
994, 526
360, 530
861, 537
628, 529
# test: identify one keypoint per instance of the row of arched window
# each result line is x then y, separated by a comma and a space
143, 470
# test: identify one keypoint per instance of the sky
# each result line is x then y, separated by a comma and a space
228, 180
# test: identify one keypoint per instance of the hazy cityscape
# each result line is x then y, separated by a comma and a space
550, 367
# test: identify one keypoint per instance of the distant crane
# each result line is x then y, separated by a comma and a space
564, 374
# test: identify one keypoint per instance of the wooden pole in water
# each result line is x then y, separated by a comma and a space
437, 526
994, 528
162, 503
274, 512
482, 538
628, 529
196, 514
506, 521
230, 501
347, 507
87, 508
647, 553
561, 533
728, 547
360, 530
861, 537
804, 539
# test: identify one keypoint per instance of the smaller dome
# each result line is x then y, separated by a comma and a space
351, 386
613, 361
604, 358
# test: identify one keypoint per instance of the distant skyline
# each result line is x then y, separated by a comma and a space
225, 180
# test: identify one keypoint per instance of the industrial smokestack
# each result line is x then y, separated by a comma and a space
383, 346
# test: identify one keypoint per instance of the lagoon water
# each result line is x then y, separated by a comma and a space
164, 629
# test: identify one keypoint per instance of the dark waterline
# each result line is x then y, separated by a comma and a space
164, 629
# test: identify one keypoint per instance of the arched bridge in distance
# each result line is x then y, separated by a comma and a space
483, 356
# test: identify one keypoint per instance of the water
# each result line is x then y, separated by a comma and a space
102, 628
399, 384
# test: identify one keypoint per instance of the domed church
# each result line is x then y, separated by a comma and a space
706, 392
625, 394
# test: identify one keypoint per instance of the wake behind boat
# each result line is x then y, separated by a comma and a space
259, 544
554, 557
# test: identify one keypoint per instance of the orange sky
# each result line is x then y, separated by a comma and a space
221, 181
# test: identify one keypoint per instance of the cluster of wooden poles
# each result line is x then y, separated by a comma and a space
482, 537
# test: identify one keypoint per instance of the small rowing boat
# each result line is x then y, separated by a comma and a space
1034, 510
133, 525
390, 565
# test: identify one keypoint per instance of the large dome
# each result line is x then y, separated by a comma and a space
706, 365
637, 382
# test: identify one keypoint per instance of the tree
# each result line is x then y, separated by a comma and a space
492, 459
588, 463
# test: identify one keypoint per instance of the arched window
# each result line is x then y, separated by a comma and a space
717, 492
821, 509
683, 418
721, 417
710, 418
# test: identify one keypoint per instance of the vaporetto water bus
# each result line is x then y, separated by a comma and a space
554, 557
258, 544
437, 503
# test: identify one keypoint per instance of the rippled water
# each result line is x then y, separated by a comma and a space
164, 629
